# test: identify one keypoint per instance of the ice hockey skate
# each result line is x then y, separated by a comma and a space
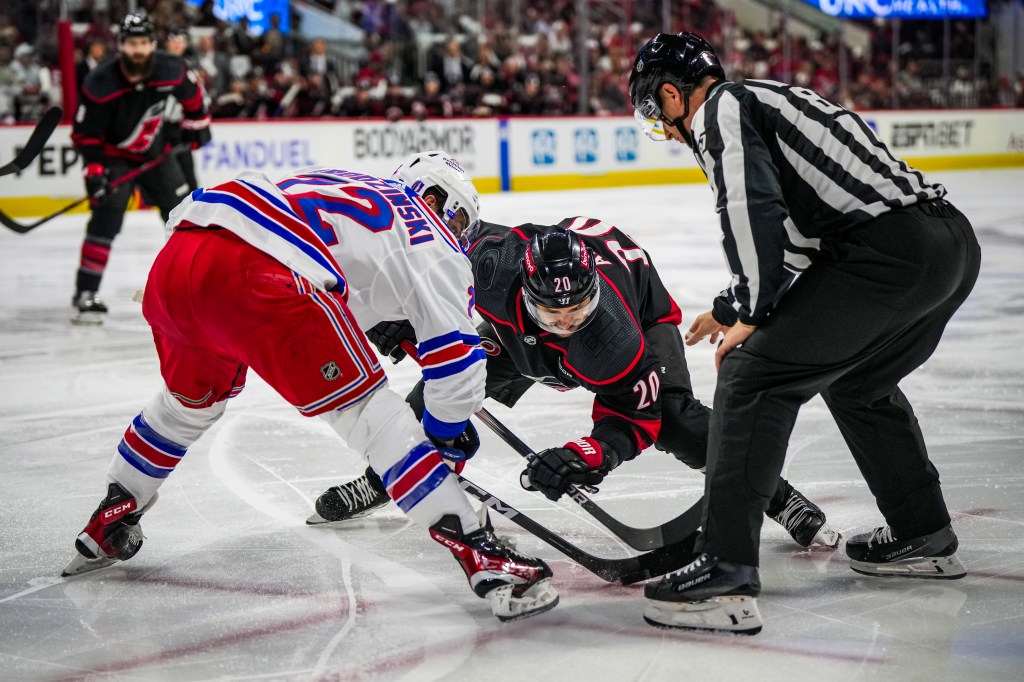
517, 586
805, 522
113, 533
353, 500
707, 595
88, 309
932, 556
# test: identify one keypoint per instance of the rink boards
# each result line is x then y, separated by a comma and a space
502, 154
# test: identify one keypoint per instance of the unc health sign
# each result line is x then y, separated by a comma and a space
257, 11
904, 9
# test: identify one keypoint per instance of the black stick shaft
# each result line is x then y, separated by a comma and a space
626, 571
668, 533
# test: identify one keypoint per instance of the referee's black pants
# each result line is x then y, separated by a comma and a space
868, 311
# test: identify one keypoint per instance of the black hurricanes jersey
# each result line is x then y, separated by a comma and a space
609, 356
118, 118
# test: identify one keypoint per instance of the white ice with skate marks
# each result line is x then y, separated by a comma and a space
426, 609
230, 583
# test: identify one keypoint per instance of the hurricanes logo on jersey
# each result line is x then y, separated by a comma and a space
331, 371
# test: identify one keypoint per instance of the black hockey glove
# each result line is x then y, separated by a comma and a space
97, 181
197, 137
461, 447
552, 471
387, 336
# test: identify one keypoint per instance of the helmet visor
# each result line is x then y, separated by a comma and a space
563, 321
652, 127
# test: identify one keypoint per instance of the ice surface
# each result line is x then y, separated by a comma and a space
232, 585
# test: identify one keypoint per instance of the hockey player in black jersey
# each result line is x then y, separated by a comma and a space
119, 126
581, 305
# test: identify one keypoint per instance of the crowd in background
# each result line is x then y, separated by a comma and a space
516, 58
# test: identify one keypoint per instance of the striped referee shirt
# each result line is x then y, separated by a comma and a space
790, 170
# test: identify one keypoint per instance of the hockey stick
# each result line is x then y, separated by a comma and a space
668, 533
22, 228
626, 571
40, 134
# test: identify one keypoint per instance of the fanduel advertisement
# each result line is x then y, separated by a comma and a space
902, 9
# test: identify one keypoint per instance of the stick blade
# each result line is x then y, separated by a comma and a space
47, 124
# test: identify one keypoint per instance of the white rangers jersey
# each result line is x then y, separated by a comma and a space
377, 244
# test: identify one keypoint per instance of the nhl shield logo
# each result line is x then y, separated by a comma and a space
330, 371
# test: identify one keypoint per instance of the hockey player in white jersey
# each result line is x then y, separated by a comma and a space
282, 278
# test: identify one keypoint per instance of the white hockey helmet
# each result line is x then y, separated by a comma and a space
457, 198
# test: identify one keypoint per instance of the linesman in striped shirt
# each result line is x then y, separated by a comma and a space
846, 266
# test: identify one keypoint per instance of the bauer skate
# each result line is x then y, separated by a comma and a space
89, 310
805, 521
927, 556
517, 586
707, 595
113, 533
352, 500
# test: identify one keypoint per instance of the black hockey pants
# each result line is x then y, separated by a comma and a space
868, 311
164, 186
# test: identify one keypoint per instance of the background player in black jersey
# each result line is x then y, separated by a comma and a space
177, 44
580, 304
119, 125
804, 187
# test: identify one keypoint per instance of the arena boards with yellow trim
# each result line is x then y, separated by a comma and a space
522, 154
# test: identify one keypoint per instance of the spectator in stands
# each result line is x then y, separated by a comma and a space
8, 80
235, 103
95, 52
451, 65
214, 66
396, 104
32, 84
360, 104
432, 103
242, 37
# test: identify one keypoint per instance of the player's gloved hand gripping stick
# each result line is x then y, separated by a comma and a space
674, 535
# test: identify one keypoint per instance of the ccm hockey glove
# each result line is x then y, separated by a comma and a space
387, 336
581, 462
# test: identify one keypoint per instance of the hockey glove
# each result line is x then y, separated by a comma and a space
387, 336
198, 136
552, 471
97, 182
461, 447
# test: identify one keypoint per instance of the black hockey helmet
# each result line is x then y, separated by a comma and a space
137, 25
559, 272
682, 59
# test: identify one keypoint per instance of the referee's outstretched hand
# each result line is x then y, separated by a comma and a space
704, 325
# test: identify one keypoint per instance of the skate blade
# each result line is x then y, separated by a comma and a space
88, 319
316, 520
827, 537
730, 615
930, 568
80, 565
507, 607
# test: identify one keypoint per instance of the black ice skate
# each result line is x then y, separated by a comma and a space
707, 595
113, 533
517, 586
352, 500
88, 309
805, 521
927, 556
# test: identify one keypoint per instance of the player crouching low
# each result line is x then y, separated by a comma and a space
283, 278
